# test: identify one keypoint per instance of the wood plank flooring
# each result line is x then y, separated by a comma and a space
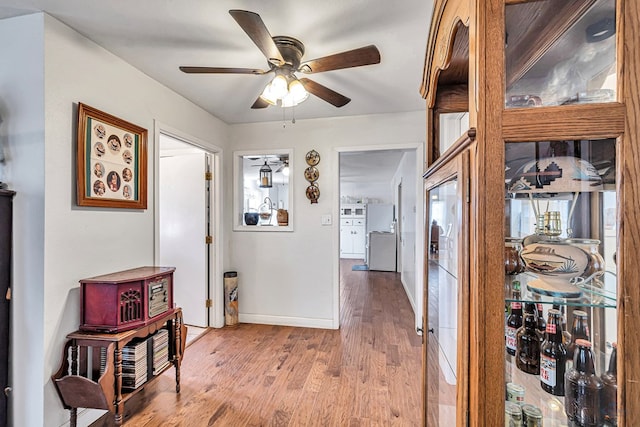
367, 373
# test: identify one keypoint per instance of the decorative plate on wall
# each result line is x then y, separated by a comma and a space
311, 174
313, 158
313, 193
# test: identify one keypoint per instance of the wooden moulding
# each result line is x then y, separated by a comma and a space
446, 46
461, 144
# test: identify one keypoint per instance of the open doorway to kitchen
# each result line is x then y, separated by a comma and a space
187, 221
369, 216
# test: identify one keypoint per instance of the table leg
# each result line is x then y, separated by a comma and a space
119, 404
73, 422
177, 323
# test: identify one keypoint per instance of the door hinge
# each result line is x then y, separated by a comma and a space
208, 176
208, 303
208, 240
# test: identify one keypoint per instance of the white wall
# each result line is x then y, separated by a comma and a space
22, 141
411, 246
291, 278
378, 192
77, 242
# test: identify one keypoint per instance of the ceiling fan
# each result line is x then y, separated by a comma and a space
284, 57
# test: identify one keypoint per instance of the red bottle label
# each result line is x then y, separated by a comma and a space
551, 328
548, 370
511, 338
516, 305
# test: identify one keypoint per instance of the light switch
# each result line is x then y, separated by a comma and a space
326, 219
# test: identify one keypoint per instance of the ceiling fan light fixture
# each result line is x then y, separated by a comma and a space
297, 91
279, 86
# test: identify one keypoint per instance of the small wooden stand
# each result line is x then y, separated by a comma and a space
79, 382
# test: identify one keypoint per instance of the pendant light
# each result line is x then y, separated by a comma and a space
265, 176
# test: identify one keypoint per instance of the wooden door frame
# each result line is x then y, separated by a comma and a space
216, 286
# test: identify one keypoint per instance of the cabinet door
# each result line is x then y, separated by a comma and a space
446, 300
346, 241
561, 218
359, 239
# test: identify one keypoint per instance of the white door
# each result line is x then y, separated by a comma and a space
183, 228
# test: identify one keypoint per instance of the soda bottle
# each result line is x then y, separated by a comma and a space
583, 389
610, 390
528, 346
514, 321
579, 330
542, 324
553, 356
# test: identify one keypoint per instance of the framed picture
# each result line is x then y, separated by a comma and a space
111, 161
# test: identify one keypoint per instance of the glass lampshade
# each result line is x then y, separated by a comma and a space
563, 174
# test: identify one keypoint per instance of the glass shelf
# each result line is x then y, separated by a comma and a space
596, 293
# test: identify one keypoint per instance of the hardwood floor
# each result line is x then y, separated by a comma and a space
367, 373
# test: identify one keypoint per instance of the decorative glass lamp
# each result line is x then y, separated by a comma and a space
560, 264
265, 176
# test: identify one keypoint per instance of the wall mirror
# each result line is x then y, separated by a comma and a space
263, 193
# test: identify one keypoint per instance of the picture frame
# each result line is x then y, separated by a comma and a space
111, 161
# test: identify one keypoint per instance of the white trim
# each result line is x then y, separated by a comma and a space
300, 322
419, 226
216, 313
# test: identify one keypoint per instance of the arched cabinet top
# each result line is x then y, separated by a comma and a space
447, 56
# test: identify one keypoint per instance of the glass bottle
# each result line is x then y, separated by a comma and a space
528, 346
542, 324
583, 389
610, 390
565, 330
514, 321
553, 356
579, 330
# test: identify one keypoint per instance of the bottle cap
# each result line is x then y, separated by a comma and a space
555, 312
583, 343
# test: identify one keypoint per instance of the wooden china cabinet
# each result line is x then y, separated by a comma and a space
533, 149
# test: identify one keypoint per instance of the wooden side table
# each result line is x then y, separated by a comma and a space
80, 382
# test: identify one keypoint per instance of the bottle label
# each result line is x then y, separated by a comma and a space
548, 370
516, 305
511, 338
551, 328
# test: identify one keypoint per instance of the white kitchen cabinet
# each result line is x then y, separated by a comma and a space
352, 238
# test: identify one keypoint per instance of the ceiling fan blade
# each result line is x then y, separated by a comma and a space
323, 92
352, 58
252, 24
221, 70
260, 103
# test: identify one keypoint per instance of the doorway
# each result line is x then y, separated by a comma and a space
370, 177
188, 225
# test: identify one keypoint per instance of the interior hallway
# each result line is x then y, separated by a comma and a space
368, 373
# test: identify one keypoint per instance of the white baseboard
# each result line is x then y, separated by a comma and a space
302, 322
411, 300
86, 417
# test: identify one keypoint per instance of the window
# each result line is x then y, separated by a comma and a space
263, 190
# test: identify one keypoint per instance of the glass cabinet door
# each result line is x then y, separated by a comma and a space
560, 282
447, 297
560, 53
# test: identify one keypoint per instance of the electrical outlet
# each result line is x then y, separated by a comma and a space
326, 219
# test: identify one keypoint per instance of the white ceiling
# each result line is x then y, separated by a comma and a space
157, 36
